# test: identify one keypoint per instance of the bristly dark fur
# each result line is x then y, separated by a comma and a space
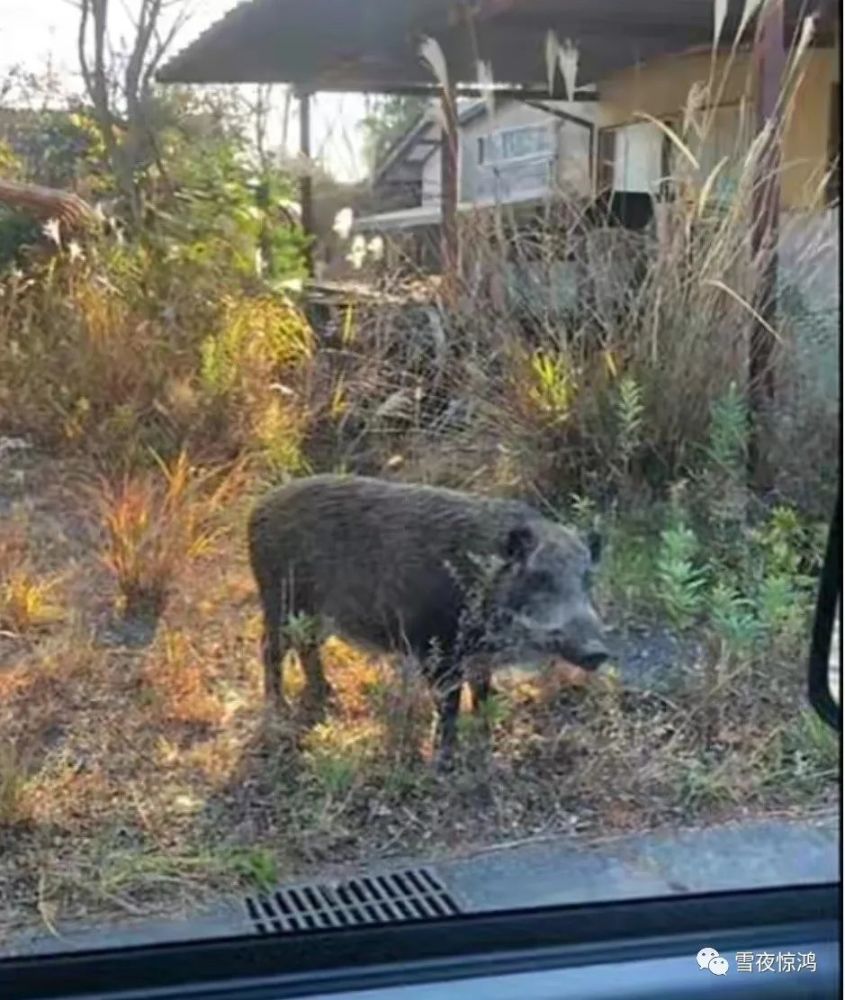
374, 557
401, 568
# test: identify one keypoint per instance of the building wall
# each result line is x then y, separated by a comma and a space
661, 89
567, 164
478, 180
661, 86
805, 147
809, 266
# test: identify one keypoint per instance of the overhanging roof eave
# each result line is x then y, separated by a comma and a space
373, 45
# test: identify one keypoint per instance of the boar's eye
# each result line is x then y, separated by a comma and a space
519, 543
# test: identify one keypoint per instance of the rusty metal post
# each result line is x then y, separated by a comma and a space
306, 190
449, 241
769, 63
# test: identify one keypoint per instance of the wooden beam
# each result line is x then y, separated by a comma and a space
306, 184
538, 90
559, 113
770, 63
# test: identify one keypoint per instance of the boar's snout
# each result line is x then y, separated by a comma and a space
593, 655
583, 643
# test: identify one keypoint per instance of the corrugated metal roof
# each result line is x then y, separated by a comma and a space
334, 43
372, 45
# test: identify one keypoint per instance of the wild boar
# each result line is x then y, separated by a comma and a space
449, 578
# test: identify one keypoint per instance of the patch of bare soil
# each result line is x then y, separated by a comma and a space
142, 776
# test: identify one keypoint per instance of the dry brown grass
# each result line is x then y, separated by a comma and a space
528, 393
12, 780
156, 523
152, 777
94, 363
28, 599
25, 602
179, 684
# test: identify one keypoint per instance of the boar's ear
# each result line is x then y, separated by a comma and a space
594, 544
519, 543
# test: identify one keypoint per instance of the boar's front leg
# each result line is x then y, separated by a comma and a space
447, 696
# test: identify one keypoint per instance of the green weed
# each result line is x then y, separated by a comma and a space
630, 412
733, 619
680, 580
255, 864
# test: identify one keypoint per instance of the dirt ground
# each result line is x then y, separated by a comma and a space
147, 777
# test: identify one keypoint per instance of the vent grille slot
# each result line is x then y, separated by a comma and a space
409, 894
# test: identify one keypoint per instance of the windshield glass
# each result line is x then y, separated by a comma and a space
395, 479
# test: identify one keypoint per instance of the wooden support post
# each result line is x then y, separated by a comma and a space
450, 242
306, 189
770, 62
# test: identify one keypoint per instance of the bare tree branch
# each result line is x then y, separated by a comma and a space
129, 86
147, 20
84, 13
163, 45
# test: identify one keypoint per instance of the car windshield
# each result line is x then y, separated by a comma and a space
416, 458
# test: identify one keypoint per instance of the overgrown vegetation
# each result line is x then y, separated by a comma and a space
162, 377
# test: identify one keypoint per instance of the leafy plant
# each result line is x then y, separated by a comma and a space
301, 630
552, 386
680, 581
784, 543
583, 511
784, 609
728, 438
495, 711
733, 618
810, 753
703, 784
257, 865
629, 418
267, 330
337, 757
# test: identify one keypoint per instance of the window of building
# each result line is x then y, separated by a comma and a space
515, 144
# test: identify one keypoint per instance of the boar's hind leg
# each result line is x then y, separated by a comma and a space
481, 687
319, 691
271, 642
